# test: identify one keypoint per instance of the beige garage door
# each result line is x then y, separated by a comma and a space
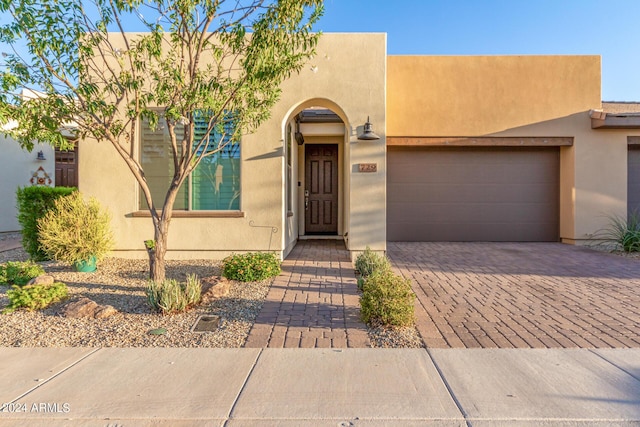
494, 194
633, 180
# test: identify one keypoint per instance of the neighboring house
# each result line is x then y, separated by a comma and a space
43, 166
472, 148
19, 168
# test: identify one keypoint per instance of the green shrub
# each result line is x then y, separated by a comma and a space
387, 299
624, 231
251, 267
75, 230
34, 297
368, 261
33, 203
173, 297
19, 272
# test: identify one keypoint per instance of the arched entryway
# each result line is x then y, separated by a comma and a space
316, 135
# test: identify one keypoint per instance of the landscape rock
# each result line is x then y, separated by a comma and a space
84, 307
44, 279
104, 311
214, 287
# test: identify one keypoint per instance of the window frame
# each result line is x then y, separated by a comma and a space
143, 211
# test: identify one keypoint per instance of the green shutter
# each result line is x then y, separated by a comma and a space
215, 183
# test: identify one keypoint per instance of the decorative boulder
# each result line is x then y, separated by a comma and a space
84, 307
214, 287
44, 279
104, 311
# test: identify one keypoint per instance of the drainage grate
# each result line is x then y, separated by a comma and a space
206, 323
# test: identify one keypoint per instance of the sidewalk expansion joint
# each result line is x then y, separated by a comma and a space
244, 385
46, 381
631, 374
449, 389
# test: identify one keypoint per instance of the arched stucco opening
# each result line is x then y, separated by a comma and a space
316, 135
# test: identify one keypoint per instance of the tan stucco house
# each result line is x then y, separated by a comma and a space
486, 148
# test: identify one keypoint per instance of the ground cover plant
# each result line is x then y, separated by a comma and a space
170, 296
19, 272
251, 267
34, 297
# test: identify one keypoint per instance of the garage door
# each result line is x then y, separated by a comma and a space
633, 180
473, 194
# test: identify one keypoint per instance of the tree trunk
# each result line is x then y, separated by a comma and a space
157, 251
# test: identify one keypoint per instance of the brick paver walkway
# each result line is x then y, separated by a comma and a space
313, 303
521, 295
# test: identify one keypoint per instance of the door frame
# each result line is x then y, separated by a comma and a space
330, 140
327, 152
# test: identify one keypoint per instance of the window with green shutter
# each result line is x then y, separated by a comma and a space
215, 183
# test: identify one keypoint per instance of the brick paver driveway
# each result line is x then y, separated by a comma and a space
521, 295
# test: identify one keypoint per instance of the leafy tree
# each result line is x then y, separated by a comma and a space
220, 62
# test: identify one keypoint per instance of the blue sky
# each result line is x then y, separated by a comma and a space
609, 28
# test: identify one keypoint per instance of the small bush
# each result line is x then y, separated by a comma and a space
173, 297
387, 299
624, 231
251, 267
75, 230
34, 297
368, 261
18, 272
33, 203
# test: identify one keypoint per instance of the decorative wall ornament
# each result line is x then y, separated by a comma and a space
40, 177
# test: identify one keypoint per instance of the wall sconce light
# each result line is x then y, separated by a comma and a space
368, 134
40, 156
298, 135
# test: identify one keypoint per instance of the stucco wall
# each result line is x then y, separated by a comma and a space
348, 76
17, 167
544, 96
481, 95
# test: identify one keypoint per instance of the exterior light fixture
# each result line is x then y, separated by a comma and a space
298, 135
368, 134
40, 156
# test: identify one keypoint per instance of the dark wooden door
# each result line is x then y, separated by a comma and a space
67, 168
321, 189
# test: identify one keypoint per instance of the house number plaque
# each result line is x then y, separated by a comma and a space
368, 167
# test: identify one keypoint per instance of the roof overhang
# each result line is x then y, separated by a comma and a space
484, 141
603, 120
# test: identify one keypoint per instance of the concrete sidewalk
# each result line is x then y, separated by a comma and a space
310, 387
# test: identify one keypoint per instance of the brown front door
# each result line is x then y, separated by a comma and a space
67, 168
321, 189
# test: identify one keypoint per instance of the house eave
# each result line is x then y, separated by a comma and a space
604, 120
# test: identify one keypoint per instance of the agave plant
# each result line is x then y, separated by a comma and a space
624, 231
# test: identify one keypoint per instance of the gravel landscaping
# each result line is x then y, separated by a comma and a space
389, 337
121, 284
